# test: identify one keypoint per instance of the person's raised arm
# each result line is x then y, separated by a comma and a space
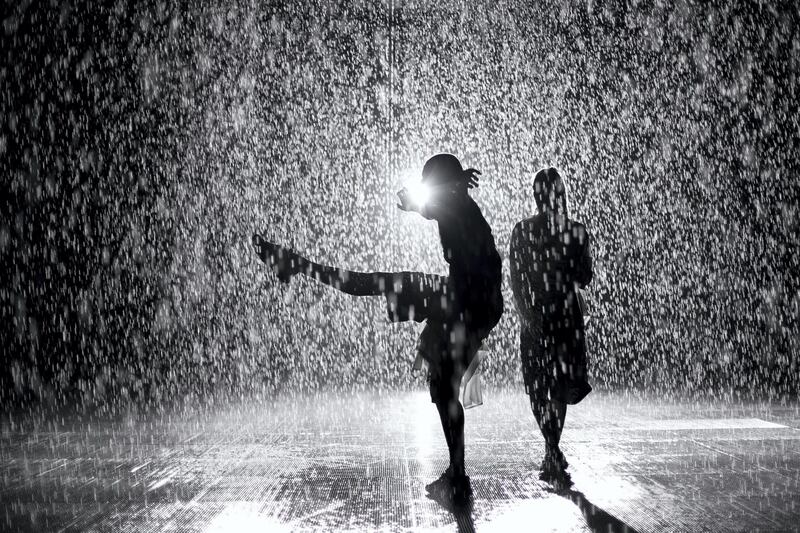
438, 207
520, 258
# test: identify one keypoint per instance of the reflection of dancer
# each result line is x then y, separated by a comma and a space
460, 308
550, 260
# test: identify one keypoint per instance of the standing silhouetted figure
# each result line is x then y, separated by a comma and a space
550, 260
460, 309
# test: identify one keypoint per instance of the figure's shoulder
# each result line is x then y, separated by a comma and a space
525, 230
578, 230
531, 222
472, 214
575, 225
467, 207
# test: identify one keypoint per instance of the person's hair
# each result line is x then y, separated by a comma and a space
446, 168
550, 193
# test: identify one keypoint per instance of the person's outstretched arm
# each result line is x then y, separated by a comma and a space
441, 206
520, 259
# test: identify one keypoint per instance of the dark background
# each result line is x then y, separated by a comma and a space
143, 143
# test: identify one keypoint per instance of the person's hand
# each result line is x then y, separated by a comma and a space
472, 177
406, 204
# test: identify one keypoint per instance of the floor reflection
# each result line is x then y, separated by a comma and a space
245, 517
361, 462
541, 513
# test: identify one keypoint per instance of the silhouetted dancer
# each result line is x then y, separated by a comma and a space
460, 308
550, 260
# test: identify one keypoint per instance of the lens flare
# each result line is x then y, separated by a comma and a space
418, 192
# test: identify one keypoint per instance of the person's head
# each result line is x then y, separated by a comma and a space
446, 170
549, 192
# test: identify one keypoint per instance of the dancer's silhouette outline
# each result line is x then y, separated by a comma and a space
460, 309
550, 260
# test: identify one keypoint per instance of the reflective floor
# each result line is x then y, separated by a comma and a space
360, 463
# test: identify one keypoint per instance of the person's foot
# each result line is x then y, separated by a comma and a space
547, 473
451, 489
546, 460
443, 481
561, 481
461, 490
283, 261
554, 469
553, 456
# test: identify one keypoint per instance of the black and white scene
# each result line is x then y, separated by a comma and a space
400, 266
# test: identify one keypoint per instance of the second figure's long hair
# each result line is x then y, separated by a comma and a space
550, 194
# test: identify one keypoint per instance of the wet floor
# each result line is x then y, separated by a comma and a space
360, 463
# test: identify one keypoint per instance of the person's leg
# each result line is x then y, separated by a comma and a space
561, 478
439, 400
559, 413
550, 415
454, 482
457, 436
287, 263
444, 418
451, 415
539, 407
441, 396
409, 295
433, 345
351, 282
461, 347
444, 389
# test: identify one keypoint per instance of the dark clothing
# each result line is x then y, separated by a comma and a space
475, 273
547, 267
461, 308
471, 291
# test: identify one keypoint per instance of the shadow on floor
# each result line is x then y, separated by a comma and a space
598, 520
462, 514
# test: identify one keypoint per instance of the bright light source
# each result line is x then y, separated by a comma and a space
418, 192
